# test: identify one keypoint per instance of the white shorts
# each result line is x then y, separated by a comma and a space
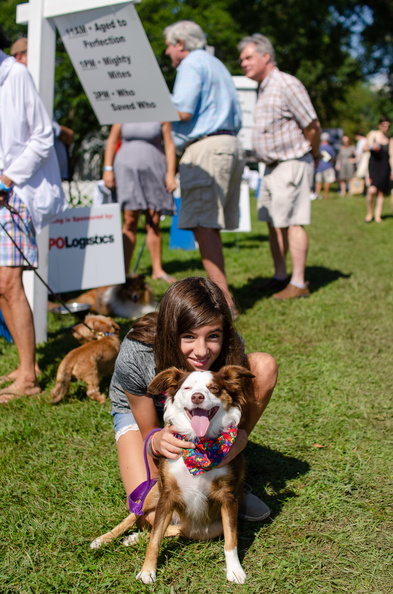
284, 198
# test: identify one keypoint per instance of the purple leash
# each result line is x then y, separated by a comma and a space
136, 499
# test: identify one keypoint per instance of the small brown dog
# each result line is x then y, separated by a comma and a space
131, 300
91, 361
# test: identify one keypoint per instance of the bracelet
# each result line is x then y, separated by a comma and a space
4, 188
150, 448
108, 168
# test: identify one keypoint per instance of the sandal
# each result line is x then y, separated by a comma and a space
167, 278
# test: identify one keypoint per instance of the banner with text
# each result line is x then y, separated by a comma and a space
116, 65
86, 249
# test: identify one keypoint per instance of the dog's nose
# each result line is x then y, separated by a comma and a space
197, 398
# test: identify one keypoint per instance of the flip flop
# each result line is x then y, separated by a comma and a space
11, 393
167, 278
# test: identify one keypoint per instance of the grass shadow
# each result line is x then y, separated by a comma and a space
319, 276
252, 292
268, 470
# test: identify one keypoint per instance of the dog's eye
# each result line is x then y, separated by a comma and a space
186, 387
214, 389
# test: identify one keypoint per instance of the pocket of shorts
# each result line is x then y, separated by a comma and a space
193, 176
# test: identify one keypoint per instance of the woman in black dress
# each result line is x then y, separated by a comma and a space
380, 168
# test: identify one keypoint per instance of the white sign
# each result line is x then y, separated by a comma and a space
86, 249
244, 208
116, 65
247, 95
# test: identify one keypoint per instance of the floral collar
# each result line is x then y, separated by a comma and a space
208, 453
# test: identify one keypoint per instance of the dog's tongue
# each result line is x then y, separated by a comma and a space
199, 421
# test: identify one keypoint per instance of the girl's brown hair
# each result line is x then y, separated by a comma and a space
189, 303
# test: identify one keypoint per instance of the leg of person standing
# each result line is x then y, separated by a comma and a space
210, 247
154, 245
379, 207
278, 243
298, 248
19, 319
290, 209
129, 229
370, 199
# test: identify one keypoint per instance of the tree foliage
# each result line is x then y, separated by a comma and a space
312, 40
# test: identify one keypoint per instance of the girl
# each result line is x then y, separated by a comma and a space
192, 331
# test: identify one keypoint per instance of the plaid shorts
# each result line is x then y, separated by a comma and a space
20, 228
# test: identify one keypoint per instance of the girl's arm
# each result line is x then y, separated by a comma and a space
145, 413
170, 156
109, 156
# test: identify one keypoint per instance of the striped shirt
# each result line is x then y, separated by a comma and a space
282, 112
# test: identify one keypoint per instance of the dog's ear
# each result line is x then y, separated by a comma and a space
235, 380
167, 381
102, 324
234, 373
81, 333
115, 328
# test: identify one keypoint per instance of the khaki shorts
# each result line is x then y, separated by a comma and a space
210, 176
284, 199
328, 176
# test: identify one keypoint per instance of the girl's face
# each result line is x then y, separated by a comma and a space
201, 346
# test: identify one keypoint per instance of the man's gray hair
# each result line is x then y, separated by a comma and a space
262, 45
188, 32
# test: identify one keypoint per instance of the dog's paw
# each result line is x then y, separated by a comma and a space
96, 544
237, 576
131, 539
147, 577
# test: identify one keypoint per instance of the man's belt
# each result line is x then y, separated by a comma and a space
216, 133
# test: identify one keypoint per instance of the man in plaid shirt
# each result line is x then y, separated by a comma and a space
286, 138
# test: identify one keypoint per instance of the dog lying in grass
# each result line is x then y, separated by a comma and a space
204, 407
91, 361
131, 300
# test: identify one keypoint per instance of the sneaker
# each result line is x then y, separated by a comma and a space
274, 284
252, 508
292, 292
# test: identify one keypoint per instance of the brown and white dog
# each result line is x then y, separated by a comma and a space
131, 300
202, 406
91, 361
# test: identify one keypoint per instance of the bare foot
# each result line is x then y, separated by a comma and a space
17, 390
13, 375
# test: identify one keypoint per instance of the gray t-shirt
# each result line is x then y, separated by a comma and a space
134, 370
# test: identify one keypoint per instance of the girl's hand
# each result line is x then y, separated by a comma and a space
109, 179
169, 446
238, 446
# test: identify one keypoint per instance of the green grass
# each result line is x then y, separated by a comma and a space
321, 456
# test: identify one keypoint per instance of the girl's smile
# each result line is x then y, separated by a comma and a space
201, 346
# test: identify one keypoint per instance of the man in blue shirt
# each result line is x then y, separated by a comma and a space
212, 162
